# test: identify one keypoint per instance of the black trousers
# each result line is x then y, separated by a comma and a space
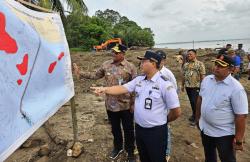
126, 119
193, 94
151, 143
224, 145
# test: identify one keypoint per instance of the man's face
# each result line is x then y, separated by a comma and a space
163, 62
220, 71
227, 47
117, 56
191, 55
146, 66
231, 53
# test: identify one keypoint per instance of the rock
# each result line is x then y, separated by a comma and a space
77, 149
100, 99
32, 143
197, 158
43, 159
44, 150
194, 145
69, 152
90, 140
188, 142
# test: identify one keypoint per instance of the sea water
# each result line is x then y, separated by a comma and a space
206, 44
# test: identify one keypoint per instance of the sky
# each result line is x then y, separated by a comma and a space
183, 20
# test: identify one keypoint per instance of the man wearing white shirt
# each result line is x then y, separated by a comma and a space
169, 76
154, 97
222, 107
164, 70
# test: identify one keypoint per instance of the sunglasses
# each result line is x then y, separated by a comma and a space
116, 53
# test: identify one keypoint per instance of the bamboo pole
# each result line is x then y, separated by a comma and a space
74, 118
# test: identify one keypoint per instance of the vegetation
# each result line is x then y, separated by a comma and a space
83, 31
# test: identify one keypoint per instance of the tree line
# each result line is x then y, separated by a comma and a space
84, 31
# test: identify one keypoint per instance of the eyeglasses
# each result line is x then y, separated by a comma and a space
116, 53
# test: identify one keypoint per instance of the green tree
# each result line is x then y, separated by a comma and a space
73, 6
111, 16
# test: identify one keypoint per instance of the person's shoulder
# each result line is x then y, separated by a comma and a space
211, 76
235, 84
108, 62
129, 64
164, 80
140, 77
208, 78
200, 62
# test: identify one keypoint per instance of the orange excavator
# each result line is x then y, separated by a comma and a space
108, 44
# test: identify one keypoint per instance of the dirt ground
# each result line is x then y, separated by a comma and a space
94, 131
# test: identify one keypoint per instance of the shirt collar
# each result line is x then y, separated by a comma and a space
193, 60
121, 63
226, 80
155, 77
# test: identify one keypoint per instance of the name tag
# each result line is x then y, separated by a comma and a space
148, 103
156, 88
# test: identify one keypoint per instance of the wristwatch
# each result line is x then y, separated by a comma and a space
238, 142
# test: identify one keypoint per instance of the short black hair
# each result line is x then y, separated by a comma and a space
192, 50
228, 45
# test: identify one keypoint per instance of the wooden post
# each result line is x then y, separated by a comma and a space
74, 118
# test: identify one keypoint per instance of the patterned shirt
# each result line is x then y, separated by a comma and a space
192, 72
114, 75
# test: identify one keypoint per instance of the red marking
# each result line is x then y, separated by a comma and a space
52, 67
7, 43
60, 56
23, 67
19, 81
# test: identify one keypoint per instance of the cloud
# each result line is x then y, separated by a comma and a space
178, 20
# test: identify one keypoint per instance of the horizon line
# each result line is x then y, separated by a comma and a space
203, 41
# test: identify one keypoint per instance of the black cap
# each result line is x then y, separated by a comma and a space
224, 60
119, 48
161, 53
150, 55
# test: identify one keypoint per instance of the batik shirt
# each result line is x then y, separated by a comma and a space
192, 71
114, 75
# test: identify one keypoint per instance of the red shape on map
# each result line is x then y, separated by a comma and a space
7, 43
23, 67
52, 67
19, 81
60, 56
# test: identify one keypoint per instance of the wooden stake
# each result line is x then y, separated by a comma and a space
34, 6
74, 118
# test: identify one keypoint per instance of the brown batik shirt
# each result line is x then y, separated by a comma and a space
114, 75
193, 70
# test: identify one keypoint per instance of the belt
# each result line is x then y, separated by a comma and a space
151, 128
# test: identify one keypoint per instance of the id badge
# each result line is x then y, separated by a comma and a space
120, 81
148, 103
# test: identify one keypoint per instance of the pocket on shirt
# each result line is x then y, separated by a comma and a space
223, 102
156, 95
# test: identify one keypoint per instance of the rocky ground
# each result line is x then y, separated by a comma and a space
51, 141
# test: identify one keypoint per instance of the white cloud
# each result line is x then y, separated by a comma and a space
178, 20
